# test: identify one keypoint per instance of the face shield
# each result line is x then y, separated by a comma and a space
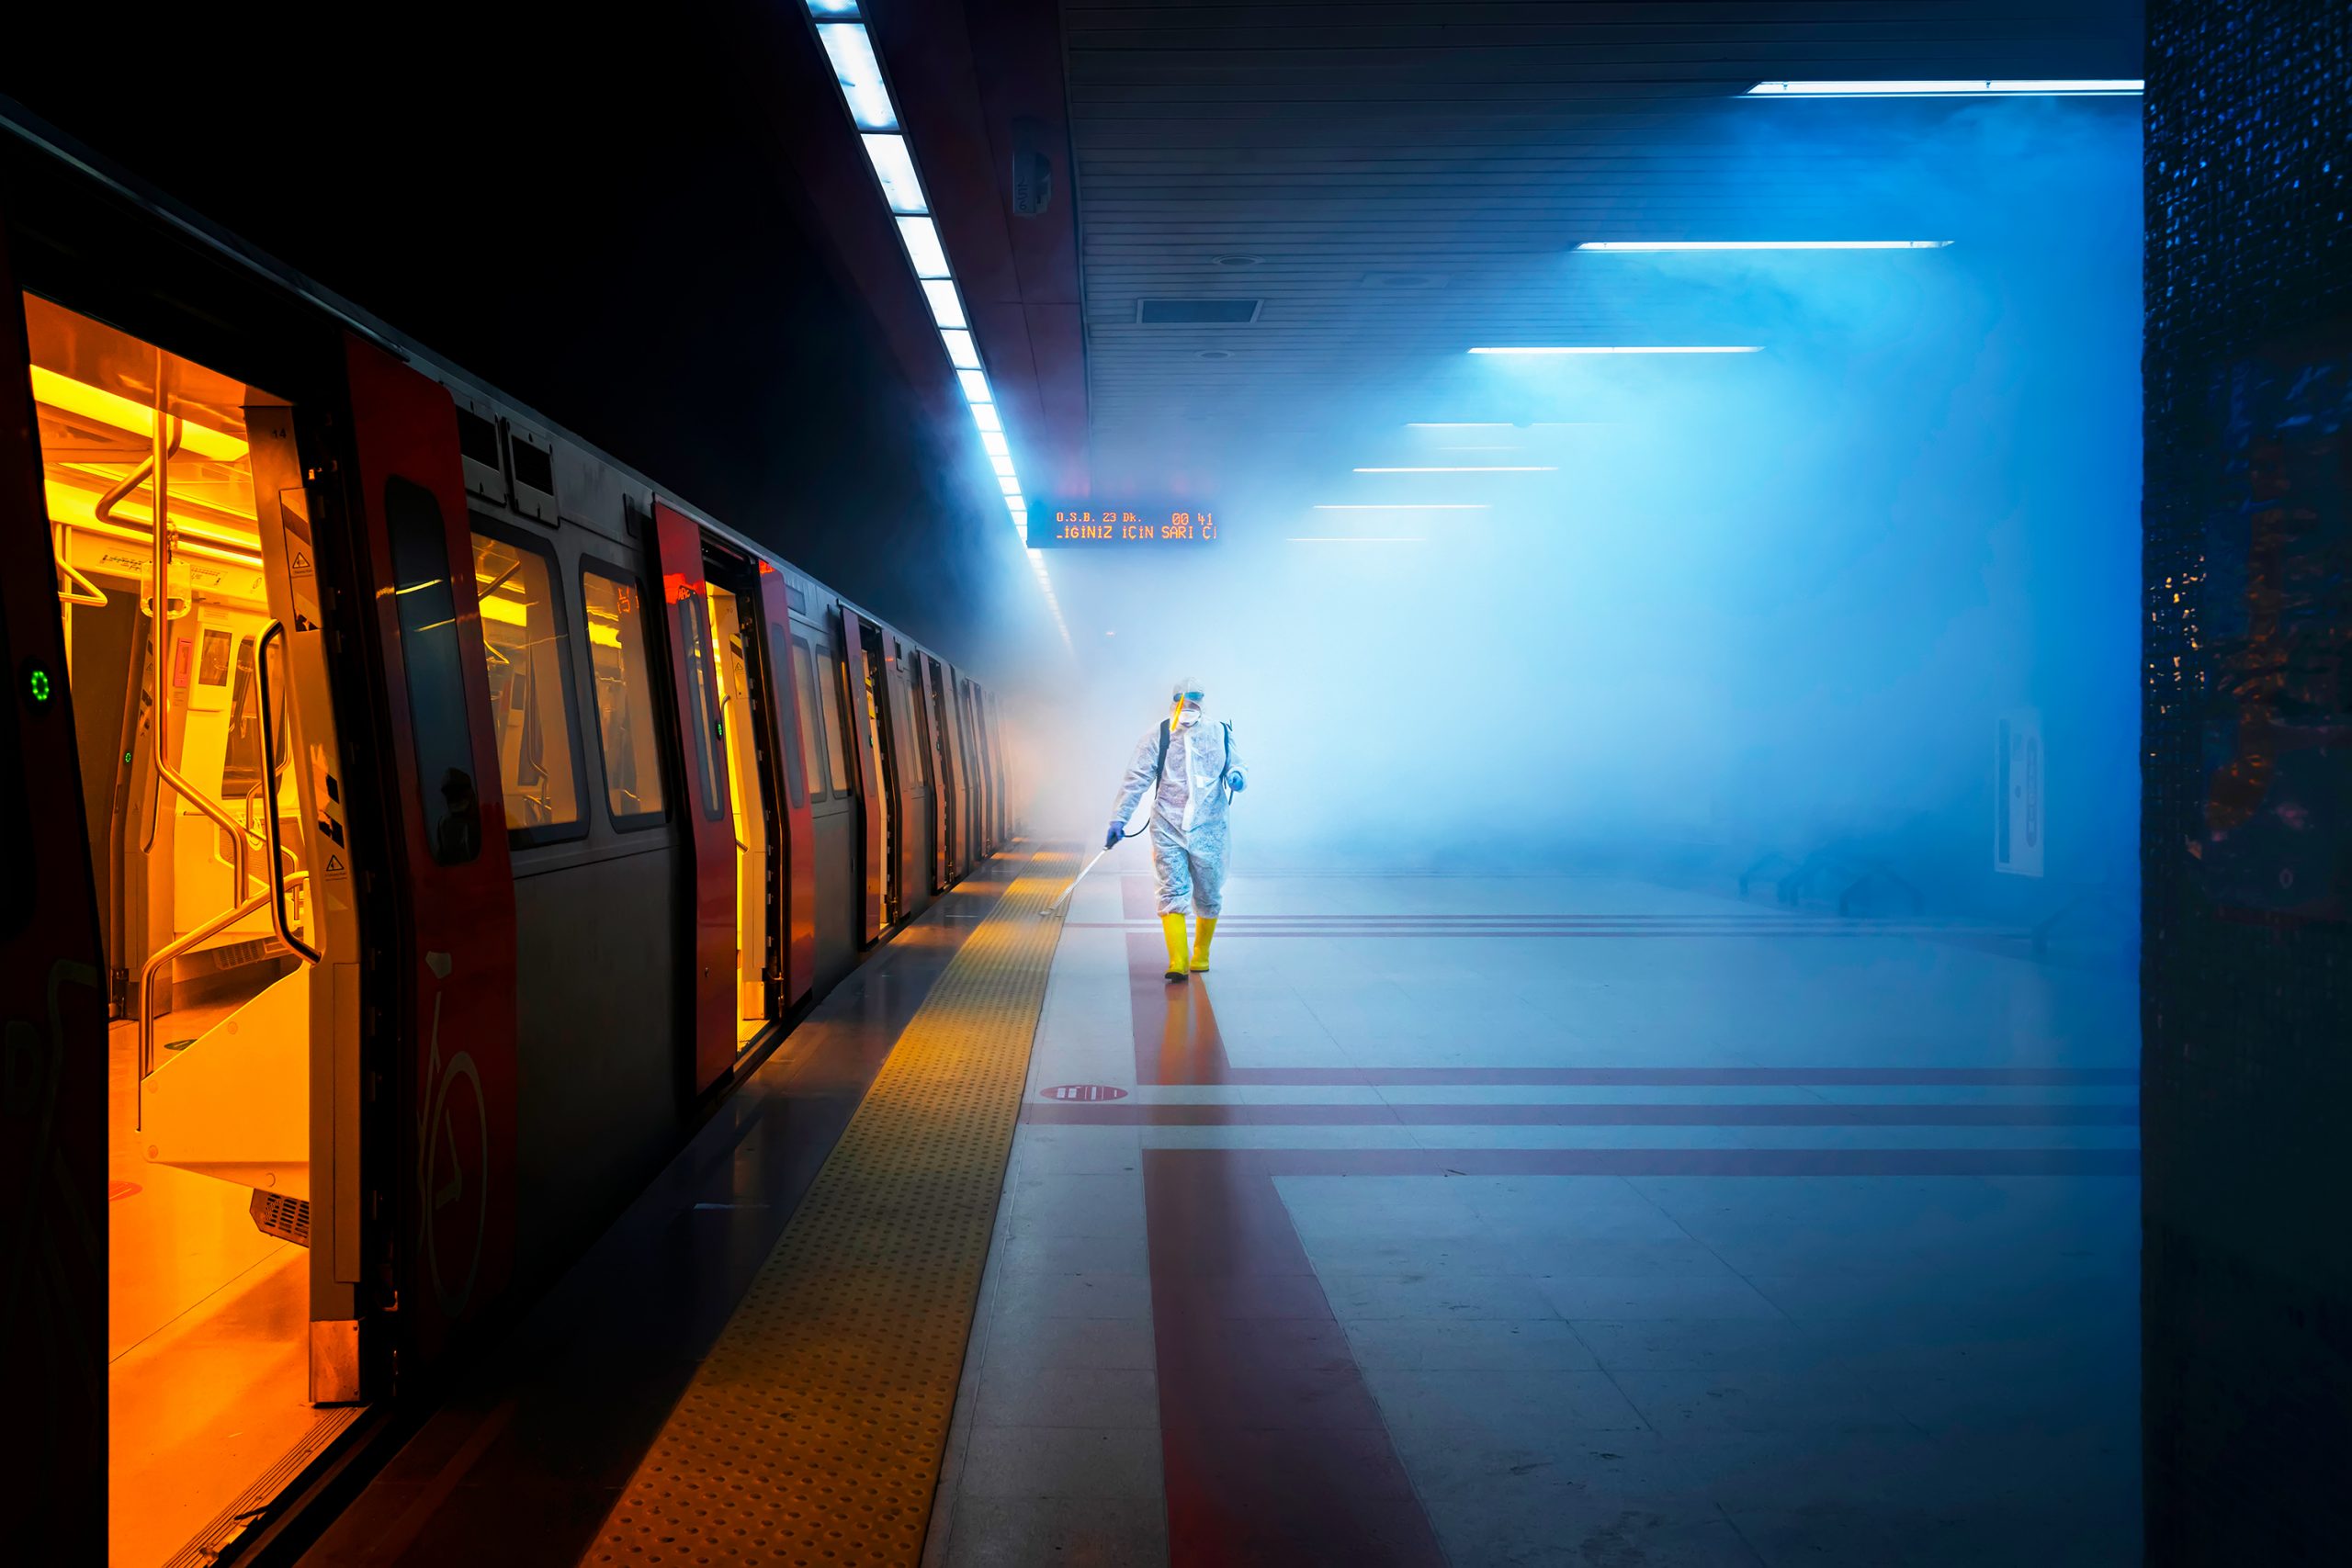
1186, 702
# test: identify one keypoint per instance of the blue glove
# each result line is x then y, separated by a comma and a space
1111, 840
1238, 783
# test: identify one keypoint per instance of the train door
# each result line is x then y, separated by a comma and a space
944, 867
189, 626
745, 700
917, 829
795, 763
712, 998
835, 840
57, 1136
861, 652
444, 821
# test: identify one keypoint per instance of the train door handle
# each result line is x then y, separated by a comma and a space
270, 814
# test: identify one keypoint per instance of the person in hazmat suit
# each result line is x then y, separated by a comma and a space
1192, 772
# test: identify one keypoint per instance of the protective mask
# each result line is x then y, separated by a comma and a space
1189, 717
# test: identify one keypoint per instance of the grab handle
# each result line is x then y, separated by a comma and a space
270, 816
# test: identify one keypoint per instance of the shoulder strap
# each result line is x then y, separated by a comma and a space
1228, 748
1162, 771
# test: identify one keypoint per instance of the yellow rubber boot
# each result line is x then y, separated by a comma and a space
1202, 933
1172, 928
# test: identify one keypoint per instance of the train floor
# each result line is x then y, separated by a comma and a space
1444, 1220
207, 1333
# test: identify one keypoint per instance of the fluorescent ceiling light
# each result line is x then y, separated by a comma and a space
1010, 486
945, 308
960, 350
1758, 244
985, 416
994, 441
1001, 464
1534, 469
887, 150
976, 386
1678, 349
859, 73
1354, 539
832, 7
1016, 504
1401, 506
921, 236
2035, 86
1498, 424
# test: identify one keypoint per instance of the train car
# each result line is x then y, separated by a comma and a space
410, 820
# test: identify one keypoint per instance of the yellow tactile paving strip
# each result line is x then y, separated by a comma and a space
813, 1435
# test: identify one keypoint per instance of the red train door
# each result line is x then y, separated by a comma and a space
447, 821
873, 803
711, 951
53, 1021
800, 834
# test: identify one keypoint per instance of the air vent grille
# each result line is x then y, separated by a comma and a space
1196, 312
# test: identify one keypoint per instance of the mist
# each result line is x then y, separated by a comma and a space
1754, 602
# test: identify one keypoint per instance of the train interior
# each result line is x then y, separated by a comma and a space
751, 806
171, 551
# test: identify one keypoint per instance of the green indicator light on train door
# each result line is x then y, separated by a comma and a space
37, 684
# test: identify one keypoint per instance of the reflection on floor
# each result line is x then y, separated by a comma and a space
1462, 1221
206, 1332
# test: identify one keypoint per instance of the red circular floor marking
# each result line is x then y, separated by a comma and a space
1084, 1091
116, 1190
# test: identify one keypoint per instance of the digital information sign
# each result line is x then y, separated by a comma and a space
1115, 526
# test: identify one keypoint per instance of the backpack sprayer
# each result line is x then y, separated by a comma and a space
1060, 906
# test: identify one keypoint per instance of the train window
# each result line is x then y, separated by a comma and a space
702, 714
624, 723
834, 757
812, 717
529, 654
427, 608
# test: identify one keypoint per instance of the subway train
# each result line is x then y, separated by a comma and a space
411, 821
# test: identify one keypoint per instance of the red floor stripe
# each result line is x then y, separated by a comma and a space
1128, 1113
1664, 1162
1274, 1451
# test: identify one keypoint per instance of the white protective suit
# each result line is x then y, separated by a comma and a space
1187, 826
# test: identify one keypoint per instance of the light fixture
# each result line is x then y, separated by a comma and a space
921, 236
1676, 349
1499, 424
1355, 539
859, 73
1761, 244
2025, 87
887, 150
1534, 469
1401, 506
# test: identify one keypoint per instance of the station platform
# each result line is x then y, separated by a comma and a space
1444, 1220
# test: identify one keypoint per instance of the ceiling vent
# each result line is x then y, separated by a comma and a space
1403, 279
1196, 312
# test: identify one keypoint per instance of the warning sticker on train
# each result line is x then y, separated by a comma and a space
1084, 1091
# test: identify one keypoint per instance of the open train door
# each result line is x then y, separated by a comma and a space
53, 1036
446, 816
799, 922
872, 803
687, 613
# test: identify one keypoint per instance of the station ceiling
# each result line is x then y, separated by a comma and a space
1397, 183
